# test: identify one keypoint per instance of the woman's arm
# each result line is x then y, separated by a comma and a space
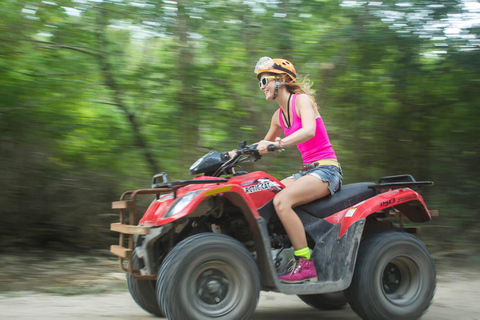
274, 131
275, 128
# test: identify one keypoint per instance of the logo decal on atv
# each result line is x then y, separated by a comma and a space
350, 212
387, 202
263, 184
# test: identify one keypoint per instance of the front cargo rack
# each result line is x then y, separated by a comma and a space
127, 227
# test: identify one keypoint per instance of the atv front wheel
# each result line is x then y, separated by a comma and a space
394, 278
143, 291
325, 301
208, 276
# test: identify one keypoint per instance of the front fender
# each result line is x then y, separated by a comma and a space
233, 193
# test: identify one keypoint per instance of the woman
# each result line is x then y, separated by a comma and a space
320, 175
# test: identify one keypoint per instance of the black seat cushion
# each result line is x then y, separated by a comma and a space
349, 195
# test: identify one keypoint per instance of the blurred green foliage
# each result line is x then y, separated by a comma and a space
99, 95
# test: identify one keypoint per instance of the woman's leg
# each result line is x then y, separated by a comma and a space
301, 191
287, 181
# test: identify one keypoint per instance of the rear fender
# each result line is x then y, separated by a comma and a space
405, 200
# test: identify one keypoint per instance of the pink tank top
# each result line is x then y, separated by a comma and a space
318, 147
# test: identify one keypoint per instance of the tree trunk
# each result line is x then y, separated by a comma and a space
110, 82
187, 97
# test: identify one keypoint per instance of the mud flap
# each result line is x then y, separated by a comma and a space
334, 257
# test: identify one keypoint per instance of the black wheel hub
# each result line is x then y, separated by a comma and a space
392, 278
401, 281
212, 286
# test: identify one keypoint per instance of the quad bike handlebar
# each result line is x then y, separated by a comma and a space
244, 149
273, 148
243, 153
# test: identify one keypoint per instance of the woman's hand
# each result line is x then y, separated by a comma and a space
232, 153
263, 145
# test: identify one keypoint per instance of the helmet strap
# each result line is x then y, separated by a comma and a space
277, 85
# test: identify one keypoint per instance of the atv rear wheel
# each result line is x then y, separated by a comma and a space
143, 291
394, 278
208, 276
325, 301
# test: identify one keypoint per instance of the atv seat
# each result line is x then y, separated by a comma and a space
348, 196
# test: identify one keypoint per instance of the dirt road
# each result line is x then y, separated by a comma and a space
456, 298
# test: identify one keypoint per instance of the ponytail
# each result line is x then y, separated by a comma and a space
302, 85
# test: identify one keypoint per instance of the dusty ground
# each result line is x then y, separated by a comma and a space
62, 274
92, 287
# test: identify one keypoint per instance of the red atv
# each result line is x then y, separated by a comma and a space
206, 247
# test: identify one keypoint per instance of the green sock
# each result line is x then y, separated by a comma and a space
304, 253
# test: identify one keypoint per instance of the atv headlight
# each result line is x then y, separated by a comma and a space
181, 203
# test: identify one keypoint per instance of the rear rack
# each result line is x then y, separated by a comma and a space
400, 181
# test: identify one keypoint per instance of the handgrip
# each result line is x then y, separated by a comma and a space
272, 147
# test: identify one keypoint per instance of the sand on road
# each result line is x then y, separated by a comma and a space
457, 297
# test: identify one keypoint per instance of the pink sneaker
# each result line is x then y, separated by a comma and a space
301, 271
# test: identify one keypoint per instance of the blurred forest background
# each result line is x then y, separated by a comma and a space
98, 95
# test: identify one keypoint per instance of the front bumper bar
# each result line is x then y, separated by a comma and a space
128, 229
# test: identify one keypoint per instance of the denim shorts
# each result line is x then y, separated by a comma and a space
331, 174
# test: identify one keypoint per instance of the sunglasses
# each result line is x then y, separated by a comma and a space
264, 80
